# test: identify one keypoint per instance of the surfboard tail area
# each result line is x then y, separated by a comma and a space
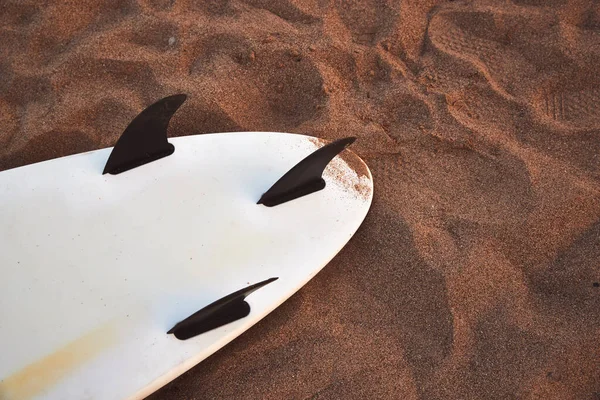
96, 269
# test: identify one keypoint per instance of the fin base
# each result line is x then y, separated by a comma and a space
141, 161
300, 191
226, 315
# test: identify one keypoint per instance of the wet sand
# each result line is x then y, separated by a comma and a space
476, 273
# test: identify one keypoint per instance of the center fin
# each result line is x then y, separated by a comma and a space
223, 311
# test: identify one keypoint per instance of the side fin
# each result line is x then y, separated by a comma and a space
223, 311
145, 139
306, 176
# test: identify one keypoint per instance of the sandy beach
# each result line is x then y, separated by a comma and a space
476, 273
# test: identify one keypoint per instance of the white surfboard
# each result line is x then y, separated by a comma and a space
95, 269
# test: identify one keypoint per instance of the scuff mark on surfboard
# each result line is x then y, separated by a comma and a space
41, 375
348, 170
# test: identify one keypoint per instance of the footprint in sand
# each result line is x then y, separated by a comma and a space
52, 32
159, 5
405, 117
367, 20
505, 356
18, 13
476, 37
24, 89
285, 9
569, 286
570, 109
97, 75
155, 34
281, 88
505, 69
214, 8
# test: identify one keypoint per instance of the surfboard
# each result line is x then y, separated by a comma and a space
118, 277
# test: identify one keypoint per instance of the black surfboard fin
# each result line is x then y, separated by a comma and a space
306, 176
145, 139
223, 311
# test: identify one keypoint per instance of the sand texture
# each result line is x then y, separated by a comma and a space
475, 274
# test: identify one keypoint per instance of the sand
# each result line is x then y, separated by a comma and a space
476, 273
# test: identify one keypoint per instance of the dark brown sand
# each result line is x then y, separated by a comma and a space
476, 273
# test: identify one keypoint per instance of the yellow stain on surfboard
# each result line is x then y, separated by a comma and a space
46, 372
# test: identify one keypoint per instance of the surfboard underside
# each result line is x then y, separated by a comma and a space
97, 268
